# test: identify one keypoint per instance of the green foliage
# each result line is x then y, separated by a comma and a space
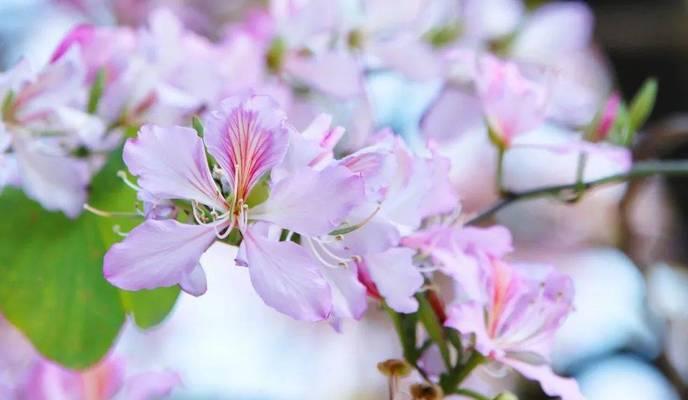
433, 327
149, 307
443, 35
197, 125
96, 92
642, 104
51, 281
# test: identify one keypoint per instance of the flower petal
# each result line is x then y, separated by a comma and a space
551, 383
312, 202
56, 181
195, 283
286, 277
151, 385
469, 319
395, 277
247, 137
157, 253
348, 295
319, 71
171, 164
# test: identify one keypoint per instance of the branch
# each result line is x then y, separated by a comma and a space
639, 170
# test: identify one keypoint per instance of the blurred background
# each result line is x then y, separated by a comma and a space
625, 246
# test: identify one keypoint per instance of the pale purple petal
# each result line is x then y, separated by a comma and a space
420, 184
494, 240
151, 385
376, 165
312, 202
455, 112
157, 253
458, 252
375, 236
247, 137
490, 19
335, 73
469, 319
349, 299
313, 147
411, 56
171, 164
286, 277
554, 29
47, 381
395, 277
551, 383
56, 181
195, 283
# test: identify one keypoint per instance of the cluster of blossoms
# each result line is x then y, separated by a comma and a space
327, 212
319, 235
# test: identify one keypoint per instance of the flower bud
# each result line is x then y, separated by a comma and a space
394, 368
424, 391
506, 396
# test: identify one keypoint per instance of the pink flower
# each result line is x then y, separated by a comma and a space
247, 137
515, 317
104, 381
51, 101
512, 103
458, 252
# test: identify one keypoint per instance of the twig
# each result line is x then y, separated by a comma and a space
639, 170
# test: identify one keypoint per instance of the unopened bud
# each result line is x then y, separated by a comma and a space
506, 396
424, 391
394, 368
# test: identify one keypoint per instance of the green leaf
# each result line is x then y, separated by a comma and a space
405, 326
197, 125
51, 282
441, 36
96, 92
150, 307
6, 108
642, 104
622, 134
433, 327
147, 307
259, 193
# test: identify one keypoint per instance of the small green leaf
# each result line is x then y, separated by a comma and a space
274, 59
433, 327
621, 134
96, 92
259, 193
405, 326
150, 307
7, 103
443, 35
642, 104
506, 396
197, 125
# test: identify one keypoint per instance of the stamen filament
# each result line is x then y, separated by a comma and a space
123, 176
108, 214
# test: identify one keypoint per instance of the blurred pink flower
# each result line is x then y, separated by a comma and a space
512, 103
106, 380
514, 320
